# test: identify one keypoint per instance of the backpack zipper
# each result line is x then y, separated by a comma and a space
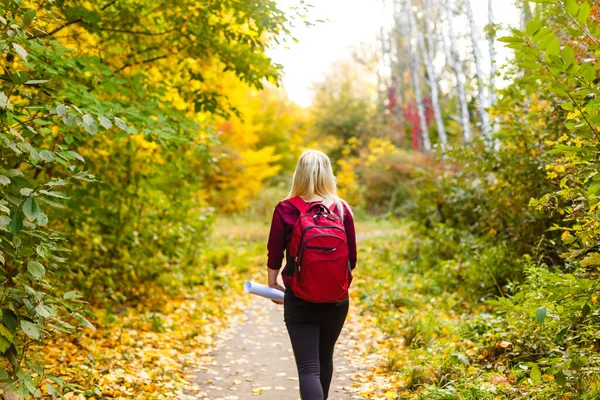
322, 248
301, 249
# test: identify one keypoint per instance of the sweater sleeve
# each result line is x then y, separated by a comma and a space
351, 236
277, 241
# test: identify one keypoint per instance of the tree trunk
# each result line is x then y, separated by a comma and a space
481, 85
428, 57
526, 15
414, 66
492, 46
456, 65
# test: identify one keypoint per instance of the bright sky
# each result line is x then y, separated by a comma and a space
350, 23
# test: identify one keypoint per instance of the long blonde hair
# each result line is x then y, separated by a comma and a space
314, 177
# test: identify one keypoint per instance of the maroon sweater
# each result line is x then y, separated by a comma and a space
284, 218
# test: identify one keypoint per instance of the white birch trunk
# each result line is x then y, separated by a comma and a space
456, 65
481, 86
428, 57
413, 55
492, 46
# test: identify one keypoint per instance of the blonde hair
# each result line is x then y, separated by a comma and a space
314, 177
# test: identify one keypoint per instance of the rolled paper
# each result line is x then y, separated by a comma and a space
262, 290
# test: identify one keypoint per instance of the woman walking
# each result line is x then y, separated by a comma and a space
320, 253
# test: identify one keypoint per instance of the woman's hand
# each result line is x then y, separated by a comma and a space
277, 286
274, 284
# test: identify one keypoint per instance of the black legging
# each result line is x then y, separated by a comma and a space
313, 329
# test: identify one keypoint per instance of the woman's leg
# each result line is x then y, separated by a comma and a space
303, 327
305, 342
331, 326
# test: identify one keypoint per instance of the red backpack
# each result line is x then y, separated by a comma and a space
319, 247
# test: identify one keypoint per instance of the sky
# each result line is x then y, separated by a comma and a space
348, 24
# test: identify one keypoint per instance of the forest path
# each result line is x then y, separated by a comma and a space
253, 359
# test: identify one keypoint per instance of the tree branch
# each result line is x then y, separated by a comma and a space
583, 28
145, 33
142, 62
58, 29
108, 5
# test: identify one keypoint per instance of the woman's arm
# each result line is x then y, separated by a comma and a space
276, 247
351, 236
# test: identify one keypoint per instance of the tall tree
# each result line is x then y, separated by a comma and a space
491, 36
481, 85
413, 55
433, 78
456, 65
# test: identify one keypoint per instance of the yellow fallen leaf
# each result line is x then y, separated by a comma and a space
391, 395
257, 391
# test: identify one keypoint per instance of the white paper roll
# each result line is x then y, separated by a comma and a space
264, 291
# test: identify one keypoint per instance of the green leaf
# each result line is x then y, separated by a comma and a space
510, 39
36, 269
560, 379
535, 374
31, 209
83, 321
585, 311
42, 219
89, 124
21, 52
53, 193
61, 110
9, 318
571, 7
568, 55
105, 122
4, 344
121, 124
36, 81
561, 334
52, 203
47, 156
4, 180
568, 106
71, 295
553, 47
26, 192
4, 101
533, 26
456, 357
540, 314
37, 368
27, 18
584, 13
16, 224
7, 334
30, 329
77, 156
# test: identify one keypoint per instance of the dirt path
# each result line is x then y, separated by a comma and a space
254, 359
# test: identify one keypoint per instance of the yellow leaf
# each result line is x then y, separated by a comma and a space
391, 395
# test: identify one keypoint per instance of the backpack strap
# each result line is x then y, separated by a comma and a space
299, 204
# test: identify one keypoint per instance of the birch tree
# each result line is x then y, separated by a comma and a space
456, 65
491, 36
481, 86
413, 55
433, 78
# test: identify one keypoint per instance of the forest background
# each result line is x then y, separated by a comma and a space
128, 129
